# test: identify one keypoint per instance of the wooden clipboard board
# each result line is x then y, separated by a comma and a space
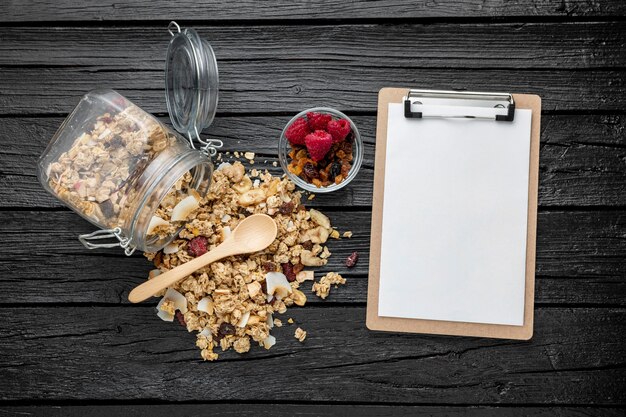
376, 322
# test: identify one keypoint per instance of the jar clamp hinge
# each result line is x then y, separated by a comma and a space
209, 147
116, 233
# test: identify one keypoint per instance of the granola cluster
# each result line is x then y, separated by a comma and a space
231, 303
97, 175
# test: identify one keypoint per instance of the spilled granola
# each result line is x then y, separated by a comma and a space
231, 303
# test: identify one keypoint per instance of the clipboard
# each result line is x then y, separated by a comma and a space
415, 104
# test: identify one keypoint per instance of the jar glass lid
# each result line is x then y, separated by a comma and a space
191, 82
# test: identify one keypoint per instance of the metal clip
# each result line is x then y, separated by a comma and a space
171, 26
116, 233
210, 146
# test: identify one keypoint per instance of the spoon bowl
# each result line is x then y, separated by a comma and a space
252, 234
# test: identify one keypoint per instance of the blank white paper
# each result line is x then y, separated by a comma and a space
455, 216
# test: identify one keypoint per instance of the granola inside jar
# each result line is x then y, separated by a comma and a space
119, 167
113, 163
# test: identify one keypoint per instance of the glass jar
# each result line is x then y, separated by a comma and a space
114, 164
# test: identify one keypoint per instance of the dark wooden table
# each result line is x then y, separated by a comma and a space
71, 344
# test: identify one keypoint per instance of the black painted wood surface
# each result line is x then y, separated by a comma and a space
70, 342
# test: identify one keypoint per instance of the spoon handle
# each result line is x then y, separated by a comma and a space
167, 279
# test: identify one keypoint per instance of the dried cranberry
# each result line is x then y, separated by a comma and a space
226, 329
308, 245
288, 271
181, 318
286, 208
197, 246
269, 266
352, 260
310, 171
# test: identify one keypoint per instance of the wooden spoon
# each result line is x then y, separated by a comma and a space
253, 234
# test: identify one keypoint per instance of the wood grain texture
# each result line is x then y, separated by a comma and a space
295, 85
574, 357
582, 158
331, 10
580, 260
72, 345
581, 45
301, 410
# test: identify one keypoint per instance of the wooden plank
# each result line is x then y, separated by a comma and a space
581, 45
574, 358
300, 410
581, 161
326, 10
580, 260
300, 84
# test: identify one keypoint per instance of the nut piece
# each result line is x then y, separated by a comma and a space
317, 235
250, 197
298, 297
308, 259
304, 276
244, 185
320, 218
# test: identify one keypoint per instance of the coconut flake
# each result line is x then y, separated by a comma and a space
179, 300
224, 165
206, 333
171, 248
226, 232
256, 183
165, 316
269, 341
270, 321
184, 208
277, 285
205, 305
155, 222
244, 319
225, 218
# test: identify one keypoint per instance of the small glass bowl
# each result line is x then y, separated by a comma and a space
284, 147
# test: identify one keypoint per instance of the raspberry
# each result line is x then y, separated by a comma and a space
296, 132
197, 246
318, 121
318, 144
338, 129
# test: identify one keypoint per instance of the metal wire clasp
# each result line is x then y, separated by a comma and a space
116, 233
209, 146
171, 26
